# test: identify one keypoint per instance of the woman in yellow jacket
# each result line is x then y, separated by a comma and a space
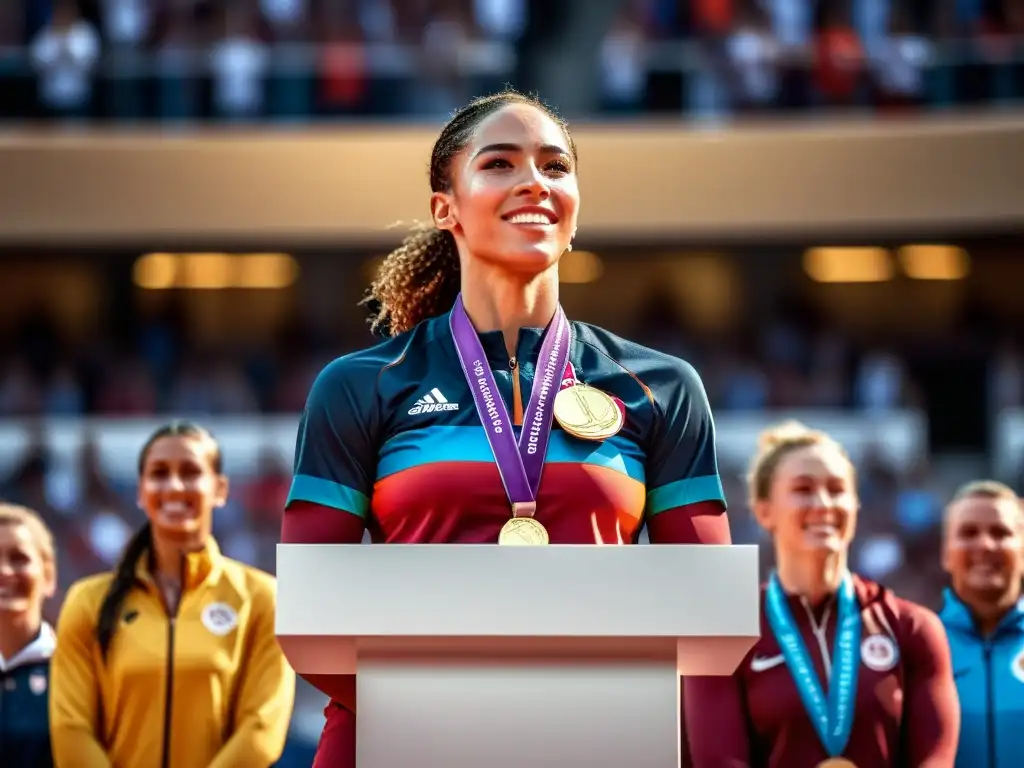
171, 660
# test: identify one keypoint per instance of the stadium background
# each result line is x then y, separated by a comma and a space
820, 204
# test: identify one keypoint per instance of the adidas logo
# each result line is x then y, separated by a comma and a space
434, 401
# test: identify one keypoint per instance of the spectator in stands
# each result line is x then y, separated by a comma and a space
898, 61
126, 28
344, 76
880, 382
65, 54
239, 60
177, 88
983, 553
753, 55
623, 63
174, 606
839, 57
793, 27
28, 577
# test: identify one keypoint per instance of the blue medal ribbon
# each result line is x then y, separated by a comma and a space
832, 715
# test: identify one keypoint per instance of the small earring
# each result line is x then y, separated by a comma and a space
568, 247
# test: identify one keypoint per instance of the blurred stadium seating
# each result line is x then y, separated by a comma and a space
908, 353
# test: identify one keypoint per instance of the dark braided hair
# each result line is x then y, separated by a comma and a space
420, 278
142, 541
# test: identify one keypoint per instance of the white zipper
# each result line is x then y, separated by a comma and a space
819, 632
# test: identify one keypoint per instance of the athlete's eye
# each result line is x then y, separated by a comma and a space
497, 162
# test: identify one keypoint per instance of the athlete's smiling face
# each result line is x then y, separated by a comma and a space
180, 487
984, 548
812, 503
514, 198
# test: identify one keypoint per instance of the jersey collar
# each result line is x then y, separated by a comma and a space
527, 345
40, 649
199, 566
955, 613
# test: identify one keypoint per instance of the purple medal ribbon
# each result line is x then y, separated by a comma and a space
519, 464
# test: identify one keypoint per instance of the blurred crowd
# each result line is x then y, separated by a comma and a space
779, 365
299, 60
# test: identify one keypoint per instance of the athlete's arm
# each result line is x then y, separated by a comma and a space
685, 499
335, 464
715, 723
263, 704
705, 522
931, 709
75, 706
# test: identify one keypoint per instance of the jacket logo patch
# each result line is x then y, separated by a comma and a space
879, 653
219, 618
1017, 665
37, 683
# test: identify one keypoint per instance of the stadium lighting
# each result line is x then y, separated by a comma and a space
155, 271
849, 265
934, 262
266, 270
215, 271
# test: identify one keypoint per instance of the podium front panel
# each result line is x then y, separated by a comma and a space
408, 591
496, 715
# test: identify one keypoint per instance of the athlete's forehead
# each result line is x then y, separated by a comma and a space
518, 127
985, 511
820, 461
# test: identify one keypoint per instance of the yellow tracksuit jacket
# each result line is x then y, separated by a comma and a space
207, 688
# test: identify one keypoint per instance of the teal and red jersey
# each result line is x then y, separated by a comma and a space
390, 441
390, 436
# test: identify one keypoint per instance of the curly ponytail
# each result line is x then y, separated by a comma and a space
418, 280
421, 278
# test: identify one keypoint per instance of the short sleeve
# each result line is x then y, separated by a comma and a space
335, 451
682, 465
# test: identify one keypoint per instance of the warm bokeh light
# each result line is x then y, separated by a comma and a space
215, 271
934, 262
578, 267
848, 265
266, 270
155, 271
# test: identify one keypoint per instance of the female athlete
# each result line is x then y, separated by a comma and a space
845, 673
28, 576
983, 552
172, 659
489, 417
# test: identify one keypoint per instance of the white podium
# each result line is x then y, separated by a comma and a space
517, 657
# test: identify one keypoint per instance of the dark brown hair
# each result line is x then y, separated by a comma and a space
140, 543
420, 278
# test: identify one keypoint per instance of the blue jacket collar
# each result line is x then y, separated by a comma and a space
957, 615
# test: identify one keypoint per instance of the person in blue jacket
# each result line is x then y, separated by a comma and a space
983, 553
27, 578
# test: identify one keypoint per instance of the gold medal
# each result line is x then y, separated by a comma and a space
522, 531
587, 413
836, 762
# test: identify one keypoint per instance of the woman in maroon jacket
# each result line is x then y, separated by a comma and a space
845, 674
